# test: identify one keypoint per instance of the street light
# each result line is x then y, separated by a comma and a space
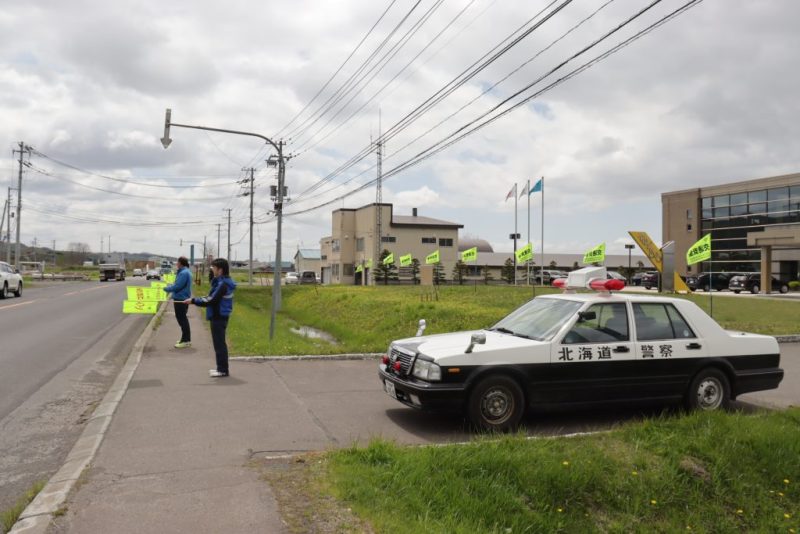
281, 162
629, 247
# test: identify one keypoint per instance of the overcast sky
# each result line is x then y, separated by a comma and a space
710, 97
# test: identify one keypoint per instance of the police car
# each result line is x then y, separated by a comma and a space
581, 348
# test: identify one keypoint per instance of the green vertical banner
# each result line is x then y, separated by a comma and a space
595, 255
359, 268
700, 251
433, 257
471, 254
389, 259
524, 254
369, 264
406, 260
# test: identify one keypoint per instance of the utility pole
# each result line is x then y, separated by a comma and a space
102, 250
228, 256
276, 290
23, 148
219, 239
378, 202
54, 252
8, 230
250, 194
3, 219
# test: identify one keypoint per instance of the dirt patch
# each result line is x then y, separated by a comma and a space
304, 504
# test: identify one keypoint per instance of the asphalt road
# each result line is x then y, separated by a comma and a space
61, 345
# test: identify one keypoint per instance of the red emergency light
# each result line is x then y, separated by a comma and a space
606, 285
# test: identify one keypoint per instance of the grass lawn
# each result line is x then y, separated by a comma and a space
366, 319
705, 472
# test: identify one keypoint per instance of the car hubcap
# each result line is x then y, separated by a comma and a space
709, 394
497, 405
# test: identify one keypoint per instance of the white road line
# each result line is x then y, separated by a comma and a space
15, 305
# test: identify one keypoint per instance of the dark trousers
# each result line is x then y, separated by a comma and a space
183, 321
218, 327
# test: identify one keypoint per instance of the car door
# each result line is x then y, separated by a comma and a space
590, 361
668, 349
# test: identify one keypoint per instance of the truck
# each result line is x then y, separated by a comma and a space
112, 271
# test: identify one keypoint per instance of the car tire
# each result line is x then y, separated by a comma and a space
736, 291
710, 390
784, 288
755, 289
4, 292
707, 289
496, 404
18, 292
648, 287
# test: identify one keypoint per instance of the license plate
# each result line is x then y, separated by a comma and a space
389, 387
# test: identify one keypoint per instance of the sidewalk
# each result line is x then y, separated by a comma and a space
175, 457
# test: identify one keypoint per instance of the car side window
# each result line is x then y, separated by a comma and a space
610, 324
660, 321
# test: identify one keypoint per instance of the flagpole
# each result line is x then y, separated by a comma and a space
528, 263
541, 269
515, 233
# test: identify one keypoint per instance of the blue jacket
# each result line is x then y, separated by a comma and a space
219, 302
182, 288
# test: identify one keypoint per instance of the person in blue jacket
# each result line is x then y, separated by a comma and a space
182, 290
218, 305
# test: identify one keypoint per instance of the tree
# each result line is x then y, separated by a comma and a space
553, 264
415, 271
385, 272
640, 264
508, 271
459, 270
575, 266
77, 253
487, 275
438, 273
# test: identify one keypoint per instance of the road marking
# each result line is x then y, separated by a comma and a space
83, 291
15, 305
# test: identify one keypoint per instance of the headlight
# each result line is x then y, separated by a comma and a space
427, 370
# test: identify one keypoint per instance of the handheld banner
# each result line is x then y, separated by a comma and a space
139, 306
433, 257
524, 254
595, 255
471, 254
406, 260
388, 260
146, 293
158, 285
700, 251
359, 268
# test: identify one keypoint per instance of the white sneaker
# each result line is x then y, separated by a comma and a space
213, 373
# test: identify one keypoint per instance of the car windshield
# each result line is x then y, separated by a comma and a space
539, 319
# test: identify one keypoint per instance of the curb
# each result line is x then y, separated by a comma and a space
794, 338
36, 517
334, 357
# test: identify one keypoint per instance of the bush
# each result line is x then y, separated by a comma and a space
794, 285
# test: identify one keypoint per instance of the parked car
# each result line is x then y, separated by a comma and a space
153, 275
291, 278
718, 281
307, 277
581, 348
613, 275
549, 276
636, 279
138, 272
650, 279
752, 283
10, 281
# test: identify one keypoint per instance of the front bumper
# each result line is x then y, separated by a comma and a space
424, 395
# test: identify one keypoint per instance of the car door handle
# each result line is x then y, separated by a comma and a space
694, 346
621, 348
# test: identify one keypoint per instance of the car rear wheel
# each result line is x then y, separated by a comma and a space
736, 291
497, 404
755, 289
18, 292
708, 391
784, 288
4, 292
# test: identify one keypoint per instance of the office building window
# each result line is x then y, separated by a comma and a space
428, 240
445, 242
388, 239
360, 244
335, 245
689, 214
347, 269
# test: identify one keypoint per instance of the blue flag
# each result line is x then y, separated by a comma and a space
536, 188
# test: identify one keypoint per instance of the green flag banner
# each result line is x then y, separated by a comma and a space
700, 251
147, 294
359, 268
433, 257
139, 306
388, 260
368, 265
471, 254
524, 254
595, 255
406, 260
158, 285
169, 278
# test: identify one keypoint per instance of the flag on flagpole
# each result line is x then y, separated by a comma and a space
512, 193
433, 257
595, 255
536, 188
525, 189
471, 254
700, 251
406, 260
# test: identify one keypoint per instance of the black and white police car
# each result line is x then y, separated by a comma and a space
581, 348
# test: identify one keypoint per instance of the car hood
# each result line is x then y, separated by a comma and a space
444, 345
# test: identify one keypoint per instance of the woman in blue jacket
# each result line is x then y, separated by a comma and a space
218, 305
182, 290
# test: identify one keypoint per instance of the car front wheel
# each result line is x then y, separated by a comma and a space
784, 288
736, 291
708, 391
496, 404
755, 290
18, 292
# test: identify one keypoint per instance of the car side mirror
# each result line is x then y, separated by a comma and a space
586, 316
16, 271
478, 338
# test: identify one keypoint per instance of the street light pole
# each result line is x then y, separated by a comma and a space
276, 289
629, 247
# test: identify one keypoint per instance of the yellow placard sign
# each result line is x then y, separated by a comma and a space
169, 278
406, 260
433, 257
700, 251
158, 285
524, 254
139, 306
146, 293
389, 259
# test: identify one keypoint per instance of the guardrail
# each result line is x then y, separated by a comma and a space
64, 277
